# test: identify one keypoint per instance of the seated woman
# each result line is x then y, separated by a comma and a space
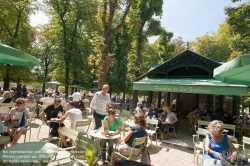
17, 113
136, 131
6, 98
216, 142
114, 128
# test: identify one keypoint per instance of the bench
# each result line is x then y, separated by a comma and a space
198, 145
203, 122
231, 127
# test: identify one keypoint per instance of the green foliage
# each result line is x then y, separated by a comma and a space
215, 46
239, 23
16, 32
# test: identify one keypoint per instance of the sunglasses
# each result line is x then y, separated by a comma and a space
113, 113
19, 103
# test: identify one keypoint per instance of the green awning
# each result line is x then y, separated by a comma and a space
190, 85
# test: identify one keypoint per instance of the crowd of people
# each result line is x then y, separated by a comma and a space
54, 114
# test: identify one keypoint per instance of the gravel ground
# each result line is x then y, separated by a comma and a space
161, 155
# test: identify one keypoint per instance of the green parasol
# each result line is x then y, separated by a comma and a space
10, 55
236, 71
77, 86
56, 83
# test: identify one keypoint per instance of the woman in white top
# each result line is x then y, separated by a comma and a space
16, 114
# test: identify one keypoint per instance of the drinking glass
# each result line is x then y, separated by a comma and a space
242, 158
229, 157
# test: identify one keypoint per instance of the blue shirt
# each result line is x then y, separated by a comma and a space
216, 146
153, 112
137, 133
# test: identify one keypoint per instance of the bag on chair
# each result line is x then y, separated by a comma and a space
165, 136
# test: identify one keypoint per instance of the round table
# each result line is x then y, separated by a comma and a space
30, 152
212, 162
98, 134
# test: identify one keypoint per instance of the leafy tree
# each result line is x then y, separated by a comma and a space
215, 46
144, 24
14, 28
68, 17
46, 52
119, 48
111, 18
239, 21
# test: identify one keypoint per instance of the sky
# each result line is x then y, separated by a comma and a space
186, 18
193, 18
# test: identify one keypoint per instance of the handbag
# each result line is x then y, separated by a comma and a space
165, 136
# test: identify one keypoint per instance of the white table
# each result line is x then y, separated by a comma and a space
212, 162
98, 134
30, 152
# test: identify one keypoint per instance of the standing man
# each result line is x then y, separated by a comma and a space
76, 98
98, 105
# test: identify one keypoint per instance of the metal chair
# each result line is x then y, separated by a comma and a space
85, 124
173, 127
153, 126
141, 142
87, 144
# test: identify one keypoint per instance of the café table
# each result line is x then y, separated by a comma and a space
98, 135
29, 152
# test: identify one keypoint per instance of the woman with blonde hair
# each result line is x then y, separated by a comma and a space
6, 97
136, 131
17, 114
216, 142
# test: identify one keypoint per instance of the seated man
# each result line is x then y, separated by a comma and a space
74, 114
192, 113
153, 111
170, 118
51, 112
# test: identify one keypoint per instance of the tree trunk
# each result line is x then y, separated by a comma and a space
104, 68
7, 78
134, 100
66, 76
43, 90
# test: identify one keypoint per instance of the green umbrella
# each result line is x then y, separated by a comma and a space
92, 89
10, 55
77, 86
56, 83
236, 71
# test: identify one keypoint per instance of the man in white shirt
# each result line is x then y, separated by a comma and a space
138, 109
47, 100
77, 96
98, 105
74, 115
